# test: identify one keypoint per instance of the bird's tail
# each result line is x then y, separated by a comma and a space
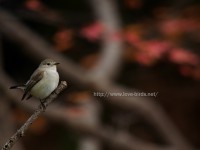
17, 87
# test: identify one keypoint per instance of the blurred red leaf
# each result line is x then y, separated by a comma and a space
133, 4
189, 71
75, 111
89, 61
196, 73
129, 54
147, 52
93, 31
186, 70
190, 25
78, 97
63, 39
132, 35
131, 38
182, 56
35, 5
175, 27
156, 48
144, 59
171, 27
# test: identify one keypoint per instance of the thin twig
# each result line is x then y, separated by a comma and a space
20, 133
7, 125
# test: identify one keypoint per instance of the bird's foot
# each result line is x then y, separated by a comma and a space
42, 105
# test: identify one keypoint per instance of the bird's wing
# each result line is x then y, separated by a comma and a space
29, 97
35, 78
18, 87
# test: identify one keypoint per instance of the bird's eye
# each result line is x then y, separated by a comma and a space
48, 64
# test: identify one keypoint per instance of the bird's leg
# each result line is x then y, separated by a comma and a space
42, 104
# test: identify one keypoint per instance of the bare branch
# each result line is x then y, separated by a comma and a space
7, 125
110, 61
20, 133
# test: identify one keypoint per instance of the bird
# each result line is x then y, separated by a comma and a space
42, 82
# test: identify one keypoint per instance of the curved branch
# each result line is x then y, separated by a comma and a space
110, 61
20, 133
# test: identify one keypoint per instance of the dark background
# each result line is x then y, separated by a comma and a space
160, 54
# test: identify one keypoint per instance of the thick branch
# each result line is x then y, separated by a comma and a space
36, 114
109, 64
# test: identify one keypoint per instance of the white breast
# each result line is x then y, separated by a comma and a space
46, 85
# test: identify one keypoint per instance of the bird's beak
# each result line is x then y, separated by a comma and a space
57, 63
